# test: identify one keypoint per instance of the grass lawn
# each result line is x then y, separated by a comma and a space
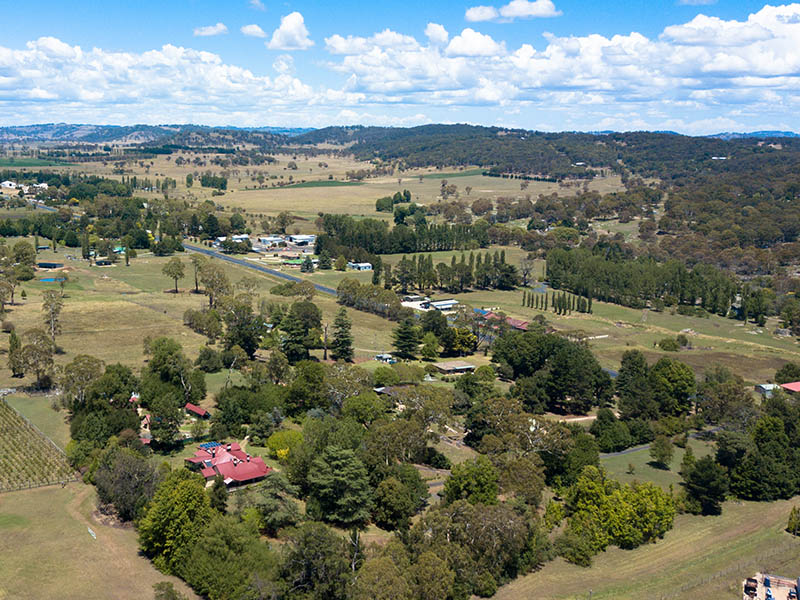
617, 466
38, 411
48, 552
701, 557
322, 183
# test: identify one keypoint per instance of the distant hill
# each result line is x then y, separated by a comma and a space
133, 134
730, 135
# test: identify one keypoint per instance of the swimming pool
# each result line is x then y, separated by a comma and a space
53, 279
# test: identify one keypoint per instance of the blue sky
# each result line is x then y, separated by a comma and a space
694, 66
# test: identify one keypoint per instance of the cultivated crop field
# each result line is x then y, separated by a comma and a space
27, 458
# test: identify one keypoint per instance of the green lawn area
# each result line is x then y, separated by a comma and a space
701, 557
38, 411
617, 466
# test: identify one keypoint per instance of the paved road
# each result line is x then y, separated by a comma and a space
251, 265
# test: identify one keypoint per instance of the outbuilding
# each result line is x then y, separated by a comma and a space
455, 367
360, 266
196, 411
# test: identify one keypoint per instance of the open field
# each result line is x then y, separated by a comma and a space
38, 411
308, 190
48, 552
715, 340
701, 557
27, 458
109, 310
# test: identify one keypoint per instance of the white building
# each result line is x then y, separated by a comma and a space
8, 185
302, 240
271, 240
362, 266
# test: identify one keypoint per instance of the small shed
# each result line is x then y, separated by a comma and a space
765, 390
454, 367
197, 411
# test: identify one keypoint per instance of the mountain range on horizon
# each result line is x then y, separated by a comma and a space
148, 134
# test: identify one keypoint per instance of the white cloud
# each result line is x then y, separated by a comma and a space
713, 31
481, 13
516, 9
336, 44
523, 9
474, 43
437, 34
284, 64
257, 5
169, 84
210, 30
253, 31
694, 77
291, 35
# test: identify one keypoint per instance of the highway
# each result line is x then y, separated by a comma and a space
256, 267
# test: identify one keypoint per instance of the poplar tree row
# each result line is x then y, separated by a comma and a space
561, 303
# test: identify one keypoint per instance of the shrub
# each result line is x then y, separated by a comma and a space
8, 327
669, 345
209, 360
281, 443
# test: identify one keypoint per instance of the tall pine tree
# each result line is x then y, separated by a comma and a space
342, 345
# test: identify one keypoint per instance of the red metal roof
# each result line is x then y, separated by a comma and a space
200, 412
231, 462
791, 387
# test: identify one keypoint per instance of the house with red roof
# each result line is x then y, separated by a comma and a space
228, 460
196, 411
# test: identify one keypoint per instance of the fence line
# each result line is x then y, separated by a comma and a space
59, 449
32, 485
756, 561
39, 431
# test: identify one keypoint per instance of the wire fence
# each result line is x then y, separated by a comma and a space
754, 563
35, 484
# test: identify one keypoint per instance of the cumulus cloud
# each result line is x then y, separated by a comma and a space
257, 5
159, 85
474, 43
336, 44
481, 13
516, 9
253, 31
523, 9
694, 76
437, 34
284, 64
210, 30
291, 35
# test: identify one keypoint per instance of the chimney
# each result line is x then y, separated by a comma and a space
229, 447
248, 458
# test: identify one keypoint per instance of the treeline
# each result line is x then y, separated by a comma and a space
386, 203
637, 282
371, 298
214, 181
561, 304
343, 232
484, 271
